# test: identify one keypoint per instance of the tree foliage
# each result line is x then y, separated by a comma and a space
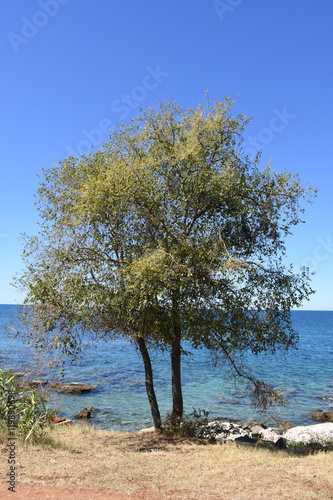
168, 233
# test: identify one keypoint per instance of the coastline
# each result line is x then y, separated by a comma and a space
120, 399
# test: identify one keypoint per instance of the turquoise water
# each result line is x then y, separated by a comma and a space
115, 368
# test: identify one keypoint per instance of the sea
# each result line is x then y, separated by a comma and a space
119, 399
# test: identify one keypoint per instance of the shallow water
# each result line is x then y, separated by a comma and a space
115, 368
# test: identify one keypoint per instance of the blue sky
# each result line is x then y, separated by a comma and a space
73, 68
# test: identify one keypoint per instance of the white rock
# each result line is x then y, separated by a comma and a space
148, 429
236, 434
257, 429
270, 435
318, 433
224, 426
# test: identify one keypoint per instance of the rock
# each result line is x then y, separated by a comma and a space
248, 432
246, 439
318, 433
265, 436
65, 422
322, 416
238, 434
317, 415
218, 426
271, 435
225, 431
70, 387
57, 420
147, 430
61, 421
250, 425
284, 426
257, 429
32, 384
328, 415
85, 413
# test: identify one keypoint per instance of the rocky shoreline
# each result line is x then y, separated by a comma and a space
298, 439
317, 436
301, 439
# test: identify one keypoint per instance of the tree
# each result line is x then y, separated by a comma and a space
168, 233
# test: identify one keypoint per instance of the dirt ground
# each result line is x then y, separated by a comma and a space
38, 492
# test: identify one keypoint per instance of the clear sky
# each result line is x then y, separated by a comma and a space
73, 68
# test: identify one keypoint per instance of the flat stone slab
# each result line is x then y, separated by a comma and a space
70, 387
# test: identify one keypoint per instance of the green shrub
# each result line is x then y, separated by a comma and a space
25, 408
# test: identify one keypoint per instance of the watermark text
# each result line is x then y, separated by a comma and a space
121, 106
31, 26
11, 442
280, 119
225, 7
322, 252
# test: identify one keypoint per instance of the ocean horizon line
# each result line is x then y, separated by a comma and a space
293, 310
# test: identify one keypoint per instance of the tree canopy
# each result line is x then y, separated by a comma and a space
168, 233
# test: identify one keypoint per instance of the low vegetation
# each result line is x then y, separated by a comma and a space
23, 411
188, 426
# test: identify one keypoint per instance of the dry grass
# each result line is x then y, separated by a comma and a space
151, 466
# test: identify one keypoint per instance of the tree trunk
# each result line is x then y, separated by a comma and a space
155, 412
177, 395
